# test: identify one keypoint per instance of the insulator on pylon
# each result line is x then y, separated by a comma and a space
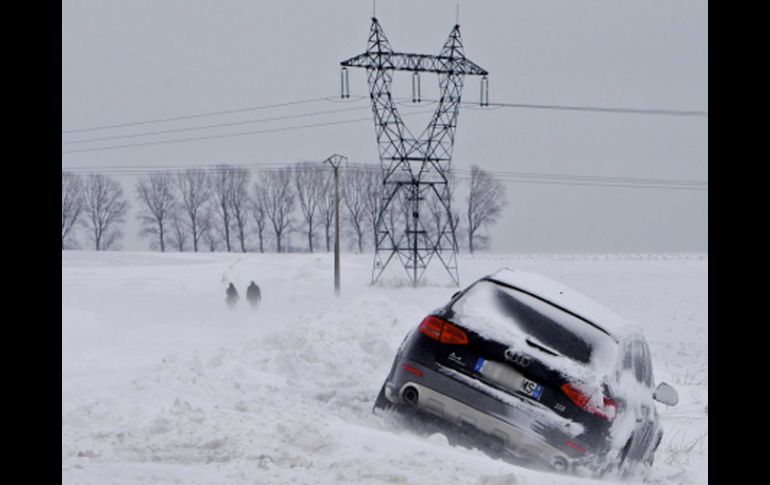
344, 84
416, 87
484, 101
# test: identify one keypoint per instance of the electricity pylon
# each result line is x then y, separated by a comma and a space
415, 169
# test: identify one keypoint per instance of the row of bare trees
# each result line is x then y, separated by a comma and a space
230, 208
97, 204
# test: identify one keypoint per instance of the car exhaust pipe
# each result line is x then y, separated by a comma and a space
411, 396
559, 463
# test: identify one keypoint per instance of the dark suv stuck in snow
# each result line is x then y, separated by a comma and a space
536, 369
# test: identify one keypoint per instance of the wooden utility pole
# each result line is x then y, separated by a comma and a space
334, 161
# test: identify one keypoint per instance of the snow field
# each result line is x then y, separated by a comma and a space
162, 383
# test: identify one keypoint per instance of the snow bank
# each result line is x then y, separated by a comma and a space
162, 383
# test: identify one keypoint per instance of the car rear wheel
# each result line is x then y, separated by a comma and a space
613, 464
382, 403
624, 453
651, 456
625, 464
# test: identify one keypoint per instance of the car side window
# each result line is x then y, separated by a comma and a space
627, 357
647, 365
638, 356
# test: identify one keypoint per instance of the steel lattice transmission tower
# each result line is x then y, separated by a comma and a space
415, 170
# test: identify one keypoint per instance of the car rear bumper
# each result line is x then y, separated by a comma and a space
521, 427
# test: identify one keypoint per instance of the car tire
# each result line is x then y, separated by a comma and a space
651, 458
382, 403
624, 453
626, 463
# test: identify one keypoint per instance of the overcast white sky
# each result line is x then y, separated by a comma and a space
139, 60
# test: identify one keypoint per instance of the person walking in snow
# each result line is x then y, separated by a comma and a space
232, 296
253, 294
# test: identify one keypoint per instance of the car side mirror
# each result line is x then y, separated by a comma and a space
666, 394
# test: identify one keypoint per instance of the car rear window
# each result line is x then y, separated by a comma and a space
515, 318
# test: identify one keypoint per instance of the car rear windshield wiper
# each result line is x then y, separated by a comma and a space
544, 348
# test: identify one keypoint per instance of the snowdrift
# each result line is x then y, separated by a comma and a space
163, 383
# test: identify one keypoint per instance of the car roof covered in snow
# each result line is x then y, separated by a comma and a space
566, 298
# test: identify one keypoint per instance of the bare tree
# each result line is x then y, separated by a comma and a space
396, 213
444, 219
354, 188
240, 202
155, 192
279, 202
71, 204
179, 233
221, 184
208, 233
194, 192
373, 199
485, 202
211, 240
105, 209
325, 204
258, 212
308, 183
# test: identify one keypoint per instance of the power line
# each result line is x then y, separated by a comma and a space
228, 135
200, 115
599, 184
564, 107
600, 109
603, 109
218, 125
578, 178
375, 166
504, 176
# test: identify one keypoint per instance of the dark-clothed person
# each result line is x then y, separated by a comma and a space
232, 295
253, 294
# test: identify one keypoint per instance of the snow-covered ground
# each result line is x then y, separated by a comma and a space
162, 383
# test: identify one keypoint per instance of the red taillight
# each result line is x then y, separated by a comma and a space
413, 370
453, 335
611, 409
607, 411
443, 331
576, 447
432, 327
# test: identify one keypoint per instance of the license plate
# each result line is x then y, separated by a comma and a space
531, 389
508, 378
